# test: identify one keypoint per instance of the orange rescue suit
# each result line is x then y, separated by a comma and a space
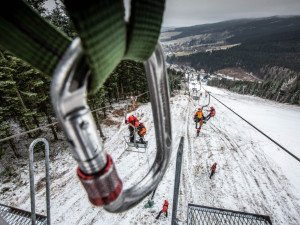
199, 114
142, 129
213, 168
165, 207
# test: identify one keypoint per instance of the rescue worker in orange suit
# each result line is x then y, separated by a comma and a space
165, 209
141, 131
198, 118
212, 112
213, 170
135, 123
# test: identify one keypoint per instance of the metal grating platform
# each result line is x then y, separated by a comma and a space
14, 216
202, 215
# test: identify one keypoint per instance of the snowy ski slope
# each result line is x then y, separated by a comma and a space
253, 174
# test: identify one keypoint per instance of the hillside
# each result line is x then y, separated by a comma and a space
280, 50
241, 30
224, 35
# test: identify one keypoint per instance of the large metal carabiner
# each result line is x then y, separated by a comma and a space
96, 169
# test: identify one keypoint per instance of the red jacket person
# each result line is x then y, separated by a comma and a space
165, 209
213, 169
212, 113
135, 123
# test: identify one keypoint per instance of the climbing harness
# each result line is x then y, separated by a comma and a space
96, 169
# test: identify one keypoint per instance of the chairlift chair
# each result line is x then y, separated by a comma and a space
136, 144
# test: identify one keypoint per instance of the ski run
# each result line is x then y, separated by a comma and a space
253, 174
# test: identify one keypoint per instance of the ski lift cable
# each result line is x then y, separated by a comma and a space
141, 94
275, 142
27, 132
52, 124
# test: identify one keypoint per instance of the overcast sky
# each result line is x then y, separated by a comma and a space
181, 13
192, 12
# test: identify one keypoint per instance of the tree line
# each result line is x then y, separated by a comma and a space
281, 89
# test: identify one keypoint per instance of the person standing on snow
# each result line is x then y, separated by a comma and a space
141, 132
213, 170
198, 118
165, 209
134, 124
198, 115
212, 112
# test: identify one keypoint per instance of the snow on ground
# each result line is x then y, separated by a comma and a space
253, 174
279, 121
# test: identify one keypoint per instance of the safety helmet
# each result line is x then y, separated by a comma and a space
199, 109
211, 107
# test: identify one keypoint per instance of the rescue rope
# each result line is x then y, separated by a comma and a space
275, 142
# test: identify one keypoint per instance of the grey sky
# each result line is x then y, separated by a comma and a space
181, 13
192, 12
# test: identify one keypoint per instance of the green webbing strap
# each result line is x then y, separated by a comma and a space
101, 28
100, 25
144, 28
27, 35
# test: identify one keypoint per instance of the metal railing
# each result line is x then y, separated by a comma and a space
31, 175
177, 181
15, 216
203, 215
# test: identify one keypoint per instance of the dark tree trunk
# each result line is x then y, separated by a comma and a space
37, 123
122, 91
23, 122
98, 124
118, 94
104, 109
13, 147
52, 127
